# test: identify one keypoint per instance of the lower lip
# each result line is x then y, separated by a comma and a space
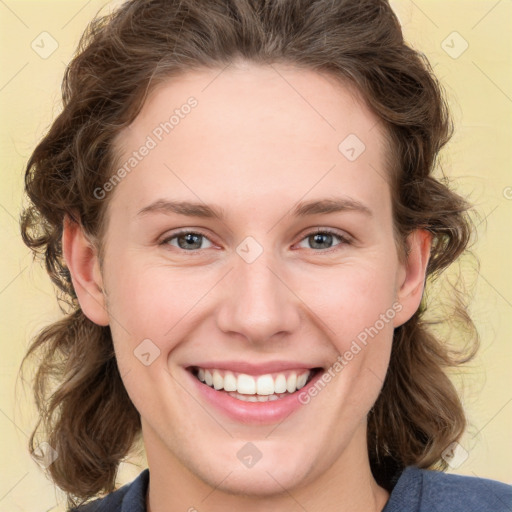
253, 413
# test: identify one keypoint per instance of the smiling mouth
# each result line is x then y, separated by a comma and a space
255, 388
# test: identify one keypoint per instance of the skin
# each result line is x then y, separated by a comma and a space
260, 140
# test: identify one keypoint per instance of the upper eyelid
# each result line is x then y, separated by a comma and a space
341, 234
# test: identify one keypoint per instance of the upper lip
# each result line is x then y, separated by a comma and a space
252, 368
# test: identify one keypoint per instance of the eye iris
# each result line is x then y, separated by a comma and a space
320, 238
193, 240
190, 238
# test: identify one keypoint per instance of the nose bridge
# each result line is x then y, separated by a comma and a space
258, 304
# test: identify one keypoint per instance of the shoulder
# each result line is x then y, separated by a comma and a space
436, 490
131, 497
466, 492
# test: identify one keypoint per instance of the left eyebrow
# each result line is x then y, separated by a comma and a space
325, 206
302, 209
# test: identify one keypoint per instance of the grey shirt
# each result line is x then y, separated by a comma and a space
416, 490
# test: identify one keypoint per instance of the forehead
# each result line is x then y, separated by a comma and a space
254, 127
260, 99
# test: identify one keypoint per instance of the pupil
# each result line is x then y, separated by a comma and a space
319, 236
189, 238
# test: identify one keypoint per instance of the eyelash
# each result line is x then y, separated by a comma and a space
344, 240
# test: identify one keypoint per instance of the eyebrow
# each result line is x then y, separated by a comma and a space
302, 209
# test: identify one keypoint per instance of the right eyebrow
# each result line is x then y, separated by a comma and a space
187, 208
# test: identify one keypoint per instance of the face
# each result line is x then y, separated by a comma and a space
297, 279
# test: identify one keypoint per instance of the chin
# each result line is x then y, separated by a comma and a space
269, 476
262, 482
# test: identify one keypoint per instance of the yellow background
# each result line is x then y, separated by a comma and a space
478, 85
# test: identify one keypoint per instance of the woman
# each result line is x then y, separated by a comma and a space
238, 204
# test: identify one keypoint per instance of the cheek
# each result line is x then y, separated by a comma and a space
150, 300
352, 298
358, 306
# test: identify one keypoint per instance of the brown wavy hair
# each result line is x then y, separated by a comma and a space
83, 406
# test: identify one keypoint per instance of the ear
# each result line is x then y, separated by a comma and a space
411, 275
81, 258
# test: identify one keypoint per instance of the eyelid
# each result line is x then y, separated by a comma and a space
185, 231
344, 237
331, 231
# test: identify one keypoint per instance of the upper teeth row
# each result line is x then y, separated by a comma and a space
249, 385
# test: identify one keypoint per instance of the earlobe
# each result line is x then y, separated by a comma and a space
411, 275
81, 258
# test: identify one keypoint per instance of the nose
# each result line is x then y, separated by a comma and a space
258, 303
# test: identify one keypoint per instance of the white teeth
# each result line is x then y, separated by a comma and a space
265, 387
254, 398
291, 383
229, 382
301, 381
218, 381
280, 384
246, 384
